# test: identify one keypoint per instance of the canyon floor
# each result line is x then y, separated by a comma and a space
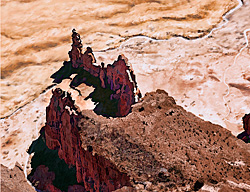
172, 47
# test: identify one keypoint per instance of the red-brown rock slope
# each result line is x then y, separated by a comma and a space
159, 146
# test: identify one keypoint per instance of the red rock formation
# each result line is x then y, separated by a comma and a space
119, 77
124, 89
118, 80
158, 147
46, 178
62, 133
76, 51
76, 188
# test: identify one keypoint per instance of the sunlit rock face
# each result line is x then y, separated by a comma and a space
35, 34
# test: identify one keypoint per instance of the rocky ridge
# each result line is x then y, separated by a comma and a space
159, 146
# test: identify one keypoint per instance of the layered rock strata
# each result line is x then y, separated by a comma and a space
159, 146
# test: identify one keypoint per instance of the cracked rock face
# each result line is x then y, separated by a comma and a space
159, 146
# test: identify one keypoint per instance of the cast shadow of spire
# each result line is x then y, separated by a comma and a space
114, 85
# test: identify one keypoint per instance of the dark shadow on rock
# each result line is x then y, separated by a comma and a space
245, 135
100, 96
104, 105
114, 85
59, 174
64, 72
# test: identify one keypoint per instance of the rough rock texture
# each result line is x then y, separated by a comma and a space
45, 182
14, 180
62, 134
161, 143
159, 146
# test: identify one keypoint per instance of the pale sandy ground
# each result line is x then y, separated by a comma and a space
192, 71
197, 72
36, 34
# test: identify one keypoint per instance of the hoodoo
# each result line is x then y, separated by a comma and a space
115, 85
62, 133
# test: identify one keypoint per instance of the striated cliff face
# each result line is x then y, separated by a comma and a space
159, 146
93, 172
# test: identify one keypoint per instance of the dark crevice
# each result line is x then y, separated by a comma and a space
198, 185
